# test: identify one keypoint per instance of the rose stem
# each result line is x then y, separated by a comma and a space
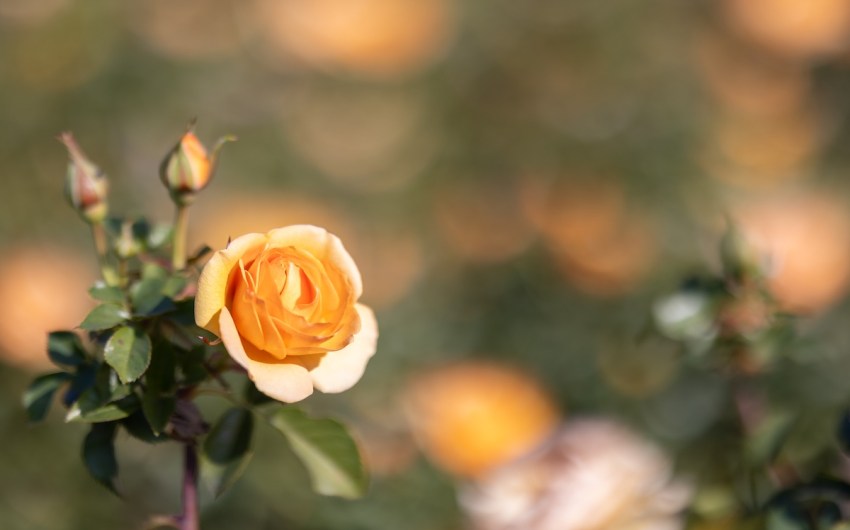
100, 245
181, 225
189, 519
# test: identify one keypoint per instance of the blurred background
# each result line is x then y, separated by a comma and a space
519, 182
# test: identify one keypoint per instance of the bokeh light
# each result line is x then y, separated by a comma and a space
48, 286
472, 417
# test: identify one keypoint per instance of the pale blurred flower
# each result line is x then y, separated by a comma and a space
594, 475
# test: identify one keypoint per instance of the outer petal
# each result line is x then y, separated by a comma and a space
340, 370
282, 381
212, 285
323, 245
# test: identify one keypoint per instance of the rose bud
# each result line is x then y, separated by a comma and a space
85, 186
188, 168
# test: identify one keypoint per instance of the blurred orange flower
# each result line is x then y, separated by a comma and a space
800, 237
473, 416
386, 38
48, 285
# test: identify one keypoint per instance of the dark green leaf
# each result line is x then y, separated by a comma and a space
38, 397
65, 349
192, 366
327, 451
138, 427
227, 449
128, 351
158, 401
105, 316
148, 298
105, 293
99, 454
230, 437
82, 381
157, 410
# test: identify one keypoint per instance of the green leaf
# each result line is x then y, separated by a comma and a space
159, 235
326, 450
90, 408
192, 366
99, 454
65, 349
128, 351
105, 316
138, 427
38, 397
175, 285
148, 298
227, 449
105, 293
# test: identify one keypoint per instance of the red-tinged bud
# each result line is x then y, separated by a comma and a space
188, 168
86, 186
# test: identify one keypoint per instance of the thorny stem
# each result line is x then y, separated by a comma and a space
189, 519
181, 225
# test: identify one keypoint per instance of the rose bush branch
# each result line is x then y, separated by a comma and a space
285, 305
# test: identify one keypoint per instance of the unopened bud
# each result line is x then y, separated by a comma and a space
85, 186
188, 168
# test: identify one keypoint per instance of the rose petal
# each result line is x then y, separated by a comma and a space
282, 381
231, 339
212, 285
340, 370
323, 245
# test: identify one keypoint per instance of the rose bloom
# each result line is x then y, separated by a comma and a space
285, 305
594, 475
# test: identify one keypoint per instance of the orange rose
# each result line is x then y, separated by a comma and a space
285, 305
